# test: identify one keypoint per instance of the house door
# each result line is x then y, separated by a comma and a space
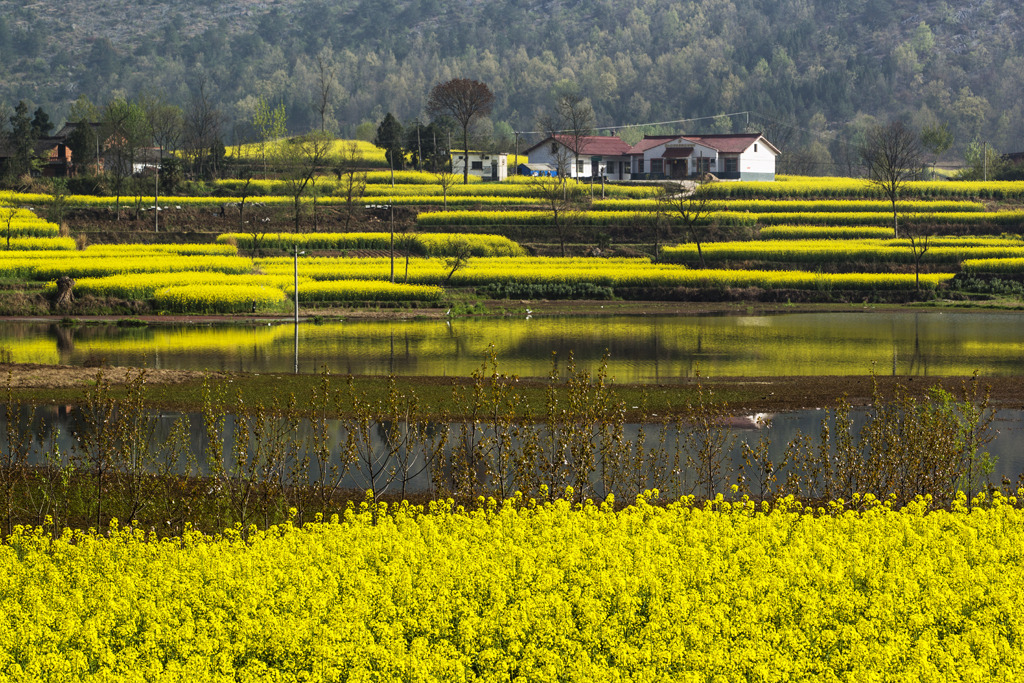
678, 168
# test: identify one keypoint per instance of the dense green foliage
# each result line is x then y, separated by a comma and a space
826, 65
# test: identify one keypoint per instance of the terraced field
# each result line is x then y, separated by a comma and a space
819, 239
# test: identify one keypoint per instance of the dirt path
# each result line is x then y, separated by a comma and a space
754, 394
29, 376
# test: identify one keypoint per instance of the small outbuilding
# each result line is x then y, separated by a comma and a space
485, 165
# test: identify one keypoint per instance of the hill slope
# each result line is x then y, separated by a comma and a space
812, 64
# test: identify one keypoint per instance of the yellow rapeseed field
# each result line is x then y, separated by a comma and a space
529, 591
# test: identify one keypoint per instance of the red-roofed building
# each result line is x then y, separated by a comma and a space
598, 155
738, 156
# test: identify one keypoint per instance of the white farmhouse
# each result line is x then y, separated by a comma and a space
597, 155
486, 165
740, 156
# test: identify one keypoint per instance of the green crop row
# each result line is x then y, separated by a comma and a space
46, 265
480, 272
813, 232
424, 186
547, 218
218, 298
426, 244
1012, 220
453, 200
809, 187
26, 245
142, 286
993, 265
762, 206
364, 290
832, 251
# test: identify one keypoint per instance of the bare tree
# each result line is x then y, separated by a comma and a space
166, 124
464, 100
302, 159
256, 227
269, 123
937, 139
458, 251
325, 84
446, 179
688, 205
351, 180
573, 124
202, 128
565, 202
126, 131
8, 214
919, 236
892, 154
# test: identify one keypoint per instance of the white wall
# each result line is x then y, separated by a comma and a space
762, 161
485, 160
698, 151
544, 155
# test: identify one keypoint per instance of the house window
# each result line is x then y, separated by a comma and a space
477, 165
732, 165
755, 146
554, 148
579, 167
657, 166
640, 165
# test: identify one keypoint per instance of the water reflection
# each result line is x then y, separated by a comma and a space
57, 425
641, 349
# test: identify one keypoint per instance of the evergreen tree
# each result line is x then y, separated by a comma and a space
82, 141
41, 124
21, 139
389, 138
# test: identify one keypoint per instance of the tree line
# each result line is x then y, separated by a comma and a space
821, 72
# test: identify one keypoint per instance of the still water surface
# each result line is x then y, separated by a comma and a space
641, 348
58, 425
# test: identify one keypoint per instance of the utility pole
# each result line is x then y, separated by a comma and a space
419, 149
517, 152
156, 199
984, 160
392, 242
296, 291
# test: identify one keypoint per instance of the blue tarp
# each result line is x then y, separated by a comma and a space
524, 169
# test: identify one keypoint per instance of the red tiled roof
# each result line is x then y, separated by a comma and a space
593, 145
729, 144
601, 145
598, 145
650, 141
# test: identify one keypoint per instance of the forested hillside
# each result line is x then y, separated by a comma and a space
812, 72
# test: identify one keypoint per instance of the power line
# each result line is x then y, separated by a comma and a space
641, 125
